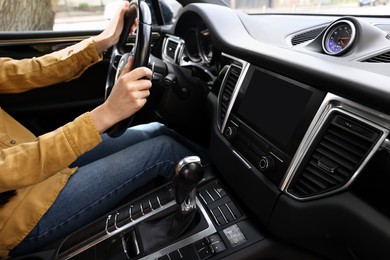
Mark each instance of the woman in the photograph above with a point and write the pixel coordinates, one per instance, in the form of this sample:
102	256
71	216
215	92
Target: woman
51	183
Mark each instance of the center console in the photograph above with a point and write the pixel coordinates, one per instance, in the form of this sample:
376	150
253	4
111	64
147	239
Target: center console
192	217
268	118
219	229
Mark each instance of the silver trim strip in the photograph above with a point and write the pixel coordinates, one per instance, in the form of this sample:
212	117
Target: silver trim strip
123	228
244	70
52	39
231	212
331	104
44	40
277	157
247	165
208	231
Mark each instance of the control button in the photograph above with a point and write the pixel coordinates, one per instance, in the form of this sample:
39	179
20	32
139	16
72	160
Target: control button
200	245
206	197
175	255
218	247
187	252
135	211
221	220
234	235
202	249
145	207
266	163
205	253
213	194
230	132
214	238
209	246
231	206
227	213
219	190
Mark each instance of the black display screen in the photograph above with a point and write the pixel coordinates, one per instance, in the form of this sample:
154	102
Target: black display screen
276	108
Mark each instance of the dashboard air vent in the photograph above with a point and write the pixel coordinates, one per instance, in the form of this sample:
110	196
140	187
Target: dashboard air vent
382	58
335	158
171	49
227	89
306	36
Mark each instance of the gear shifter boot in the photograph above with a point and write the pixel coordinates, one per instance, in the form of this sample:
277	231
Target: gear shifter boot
169	225
164	229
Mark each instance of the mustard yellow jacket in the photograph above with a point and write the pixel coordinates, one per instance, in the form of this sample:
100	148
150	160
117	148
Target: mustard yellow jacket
37	166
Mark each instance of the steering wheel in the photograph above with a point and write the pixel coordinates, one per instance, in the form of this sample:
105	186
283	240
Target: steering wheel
140	51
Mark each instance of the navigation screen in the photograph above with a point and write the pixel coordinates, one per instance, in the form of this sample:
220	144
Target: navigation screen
274	106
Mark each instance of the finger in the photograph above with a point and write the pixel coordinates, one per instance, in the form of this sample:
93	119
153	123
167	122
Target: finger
139	73
142	94
142	84
120	13
134	27
128	65
122	9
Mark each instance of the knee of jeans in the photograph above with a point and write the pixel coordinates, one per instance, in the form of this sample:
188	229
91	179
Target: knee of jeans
156	126
166	141
177	150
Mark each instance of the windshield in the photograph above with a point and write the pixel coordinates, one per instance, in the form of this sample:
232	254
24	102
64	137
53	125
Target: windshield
72	15
339	7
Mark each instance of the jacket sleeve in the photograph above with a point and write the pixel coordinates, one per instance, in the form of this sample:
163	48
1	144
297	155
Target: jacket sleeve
21	75
31	162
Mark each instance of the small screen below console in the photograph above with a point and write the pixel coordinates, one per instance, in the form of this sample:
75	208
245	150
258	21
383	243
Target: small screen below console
275	106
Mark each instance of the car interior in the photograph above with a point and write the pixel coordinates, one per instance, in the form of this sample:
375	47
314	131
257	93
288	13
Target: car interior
296	124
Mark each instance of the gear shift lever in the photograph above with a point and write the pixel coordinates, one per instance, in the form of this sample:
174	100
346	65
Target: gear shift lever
189	172
170	225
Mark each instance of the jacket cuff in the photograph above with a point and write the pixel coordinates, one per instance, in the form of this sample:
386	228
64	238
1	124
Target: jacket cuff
82	134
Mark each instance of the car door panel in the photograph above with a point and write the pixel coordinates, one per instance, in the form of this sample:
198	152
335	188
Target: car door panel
44	109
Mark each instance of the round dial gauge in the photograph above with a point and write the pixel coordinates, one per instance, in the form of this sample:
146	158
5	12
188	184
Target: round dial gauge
205	43
339	37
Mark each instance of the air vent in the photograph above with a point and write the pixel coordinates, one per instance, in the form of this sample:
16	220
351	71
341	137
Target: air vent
336	157
382	58
227	89
306	36
171	49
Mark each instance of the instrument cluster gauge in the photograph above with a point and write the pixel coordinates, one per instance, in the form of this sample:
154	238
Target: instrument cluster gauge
339	37
205	43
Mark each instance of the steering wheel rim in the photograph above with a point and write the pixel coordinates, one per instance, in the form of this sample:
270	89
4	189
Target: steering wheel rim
140	52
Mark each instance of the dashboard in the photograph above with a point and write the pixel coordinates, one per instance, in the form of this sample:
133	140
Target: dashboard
294	111
300	120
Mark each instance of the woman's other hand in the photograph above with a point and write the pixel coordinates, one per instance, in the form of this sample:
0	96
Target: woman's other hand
110	35
128	95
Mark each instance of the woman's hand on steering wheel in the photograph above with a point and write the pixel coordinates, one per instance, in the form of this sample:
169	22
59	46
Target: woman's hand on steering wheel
110	36
128	95
137	16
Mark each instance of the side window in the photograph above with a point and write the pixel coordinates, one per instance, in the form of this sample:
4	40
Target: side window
68	15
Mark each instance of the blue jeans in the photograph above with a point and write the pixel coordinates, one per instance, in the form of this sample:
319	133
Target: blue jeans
106	175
